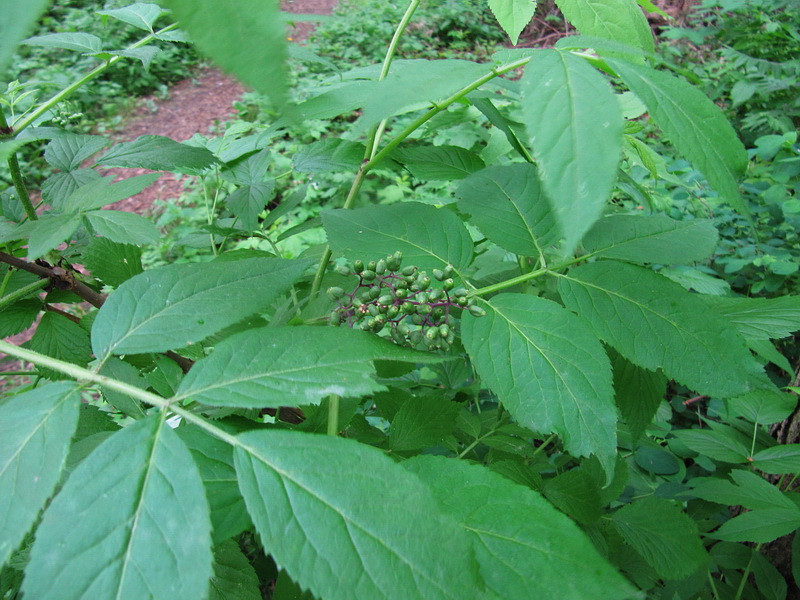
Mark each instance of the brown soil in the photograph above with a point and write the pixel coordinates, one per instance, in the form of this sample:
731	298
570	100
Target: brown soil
194	106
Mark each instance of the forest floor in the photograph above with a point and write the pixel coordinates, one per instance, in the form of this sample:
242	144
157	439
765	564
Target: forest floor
197	105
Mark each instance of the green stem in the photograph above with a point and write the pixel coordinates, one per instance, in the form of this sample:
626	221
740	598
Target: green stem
63	94
22	292
333	414
16	177
81	374
375	132
497	287
746	574
544	445
417	123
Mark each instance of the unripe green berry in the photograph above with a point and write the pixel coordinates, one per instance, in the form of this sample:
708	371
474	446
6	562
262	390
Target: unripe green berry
415	337
462	301
438	275
424	309
431	334
380	267
460	292
386	299
368	275
409	270
398	338
434	295
449	270
371	265
422	297
403	328
417	319
334	293
398	258
343	270
448	284
401	293
408	308
476	311
373	292
335	318
444	330
373	310
358	266
392	312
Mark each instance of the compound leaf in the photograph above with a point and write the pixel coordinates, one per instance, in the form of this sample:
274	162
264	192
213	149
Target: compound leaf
173	306
652	239
694	125
35	431
291	366
616	20
549	371
366	529
575	125
132	508
655	323
509	207
522	543
429	238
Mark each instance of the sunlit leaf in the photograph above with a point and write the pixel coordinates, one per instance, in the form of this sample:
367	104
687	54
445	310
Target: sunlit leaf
513	15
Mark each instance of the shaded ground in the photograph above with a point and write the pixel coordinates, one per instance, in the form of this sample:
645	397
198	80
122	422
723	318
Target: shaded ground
194	106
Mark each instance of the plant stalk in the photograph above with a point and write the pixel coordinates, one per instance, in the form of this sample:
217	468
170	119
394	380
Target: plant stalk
333	414
16	177
22	292
63	94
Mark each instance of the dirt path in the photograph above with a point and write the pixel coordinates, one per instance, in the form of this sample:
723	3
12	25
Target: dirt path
194	106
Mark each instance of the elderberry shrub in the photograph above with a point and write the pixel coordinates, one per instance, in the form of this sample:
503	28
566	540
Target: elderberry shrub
401	299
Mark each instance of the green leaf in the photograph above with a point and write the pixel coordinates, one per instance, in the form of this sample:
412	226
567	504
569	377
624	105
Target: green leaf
18	19
127	373
655	323
616	20
35	431
422	421
18	317
81	42
141	15
146	54
513	15
576	494
524	546
214	460
68	151
59	186
248	171
718	445
100	192
329	155
778	459
60	338
760	318
46	233
428	237
507	204
638	392
747	489
159	153
111	262
575	125
549	380
246	38
438	163
652	239
366	529
177	305
286	589
763	407
131	509
341	100
291	366
760	526
234	578
249	201
417	84
663	534
694	125
123	227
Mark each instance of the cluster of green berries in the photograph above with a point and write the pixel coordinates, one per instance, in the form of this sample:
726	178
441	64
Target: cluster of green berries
401	300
